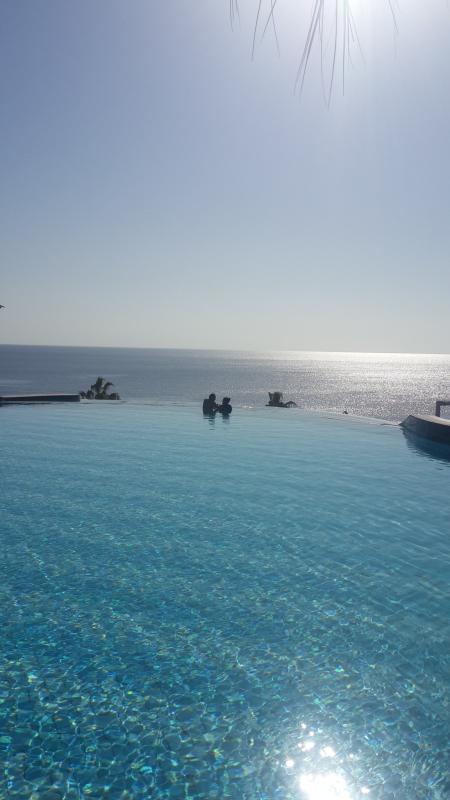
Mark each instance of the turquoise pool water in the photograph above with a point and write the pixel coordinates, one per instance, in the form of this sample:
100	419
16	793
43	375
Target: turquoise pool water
254	608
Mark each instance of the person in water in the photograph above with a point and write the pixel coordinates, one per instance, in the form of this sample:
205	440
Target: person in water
209	404
225	407
276	400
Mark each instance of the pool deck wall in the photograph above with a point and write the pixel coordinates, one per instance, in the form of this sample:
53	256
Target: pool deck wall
39	398
428	426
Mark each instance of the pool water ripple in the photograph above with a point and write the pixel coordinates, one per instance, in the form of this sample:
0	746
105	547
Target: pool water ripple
251	608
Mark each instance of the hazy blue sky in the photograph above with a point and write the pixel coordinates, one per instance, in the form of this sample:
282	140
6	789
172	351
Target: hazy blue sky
160	188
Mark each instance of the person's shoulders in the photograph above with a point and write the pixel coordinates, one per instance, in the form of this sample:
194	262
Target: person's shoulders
209	408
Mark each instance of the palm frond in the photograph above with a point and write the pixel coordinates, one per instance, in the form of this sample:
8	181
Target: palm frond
331	28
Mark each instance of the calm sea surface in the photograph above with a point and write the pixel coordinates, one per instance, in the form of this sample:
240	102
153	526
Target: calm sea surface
381	385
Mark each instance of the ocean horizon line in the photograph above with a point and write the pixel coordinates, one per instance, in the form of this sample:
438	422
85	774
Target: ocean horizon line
225	350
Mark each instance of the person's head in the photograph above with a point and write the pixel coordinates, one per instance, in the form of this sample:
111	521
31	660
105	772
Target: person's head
225	401
212	397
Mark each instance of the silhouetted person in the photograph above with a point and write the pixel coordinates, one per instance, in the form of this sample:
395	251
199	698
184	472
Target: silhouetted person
225	407
209	404
276	399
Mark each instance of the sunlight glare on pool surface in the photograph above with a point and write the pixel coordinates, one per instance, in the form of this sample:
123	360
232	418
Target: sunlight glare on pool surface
326	786
254	607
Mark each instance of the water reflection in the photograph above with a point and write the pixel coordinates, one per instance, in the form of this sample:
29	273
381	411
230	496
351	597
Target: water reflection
434	451
319	771
306	746
324	786
211	419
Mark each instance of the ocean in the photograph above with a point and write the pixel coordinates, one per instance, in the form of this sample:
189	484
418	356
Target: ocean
381	385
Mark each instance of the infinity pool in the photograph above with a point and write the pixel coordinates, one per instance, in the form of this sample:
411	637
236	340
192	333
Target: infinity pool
254	608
